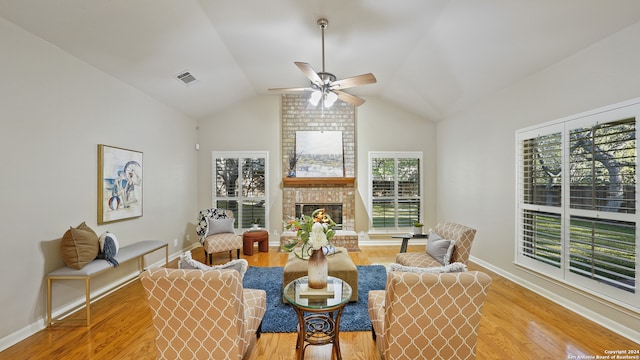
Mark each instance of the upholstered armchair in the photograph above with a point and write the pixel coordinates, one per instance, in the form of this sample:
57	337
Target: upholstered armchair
216	233
202	314
427	315
462	237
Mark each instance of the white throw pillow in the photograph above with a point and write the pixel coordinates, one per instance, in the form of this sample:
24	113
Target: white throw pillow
453	267
219	226
187	262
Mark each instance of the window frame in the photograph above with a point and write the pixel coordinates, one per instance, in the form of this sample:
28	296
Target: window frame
239	198
563	274
395	155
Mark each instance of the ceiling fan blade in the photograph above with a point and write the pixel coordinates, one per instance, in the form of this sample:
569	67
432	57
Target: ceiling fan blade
310	73
290	89
351	99
364	79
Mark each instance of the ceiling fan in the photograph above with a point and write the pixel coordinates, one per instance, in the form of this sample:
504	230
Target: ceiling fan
324	86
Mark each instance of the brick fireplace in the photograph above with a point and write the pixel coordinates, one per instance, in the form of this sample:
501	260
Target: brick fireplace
298	115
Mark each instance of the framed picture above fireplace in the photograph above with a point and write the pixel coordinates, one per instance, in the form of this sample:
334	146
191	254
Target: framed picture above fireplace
320	154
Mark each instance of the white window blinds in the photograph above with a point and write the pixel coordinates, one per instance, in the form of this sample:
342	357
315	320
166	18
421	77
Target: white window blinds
577	194
240	184
395	189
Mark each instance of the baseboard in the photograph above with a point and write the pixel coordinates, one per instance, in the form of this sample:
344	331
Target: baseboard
78	304
565	303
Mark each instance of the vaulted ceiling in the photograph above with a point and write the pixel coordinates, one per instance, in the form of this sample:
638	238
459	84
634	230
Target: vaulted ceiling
432	57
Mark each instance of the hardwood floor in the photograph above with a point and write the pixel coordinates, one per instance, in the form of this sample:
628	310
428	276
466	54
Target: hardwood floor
516	324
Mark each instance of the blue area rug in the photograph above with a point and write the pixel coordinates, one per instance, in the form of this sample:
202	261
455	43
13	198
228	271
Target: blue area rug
281	317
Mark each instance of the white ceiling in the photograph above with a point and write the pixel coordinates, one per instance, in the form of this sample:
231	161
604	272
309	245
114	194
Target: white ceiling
432	57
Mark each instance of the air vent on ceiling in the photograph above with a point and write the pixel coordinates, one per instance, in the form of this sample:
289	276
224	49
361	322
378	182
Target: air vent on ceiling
186	78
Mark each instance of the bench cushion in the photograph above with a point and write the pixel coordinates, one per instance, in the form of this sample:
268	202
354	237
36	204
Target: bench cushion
124	254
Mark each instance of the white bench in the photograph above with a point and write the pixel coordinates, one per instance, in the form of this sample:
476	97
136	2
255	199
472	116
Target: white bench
97	266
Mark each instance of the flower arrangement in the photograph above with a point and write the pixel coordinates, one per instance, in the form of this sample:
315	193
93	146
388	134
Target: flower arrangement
314	232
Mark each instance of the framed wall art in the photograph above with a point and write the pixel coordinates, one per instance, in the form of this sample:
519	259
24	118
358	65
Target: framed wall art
119	184
320	154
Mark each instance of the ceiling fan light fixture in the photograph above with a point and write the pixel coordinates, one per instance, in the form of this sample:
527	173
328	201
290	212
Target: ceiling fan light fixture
315	97
330	98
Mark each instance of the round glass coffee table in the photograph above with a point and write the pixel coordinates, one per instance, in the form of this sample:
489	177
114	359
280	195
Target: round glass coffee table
324	307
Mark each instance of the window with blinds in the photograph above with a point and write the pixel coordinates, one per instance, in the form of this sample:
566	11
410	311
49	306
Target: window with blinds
577	195
395	189
240	184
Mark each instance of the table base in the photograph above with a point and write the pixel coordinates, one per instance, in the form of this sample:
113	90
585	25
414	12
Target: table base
318	329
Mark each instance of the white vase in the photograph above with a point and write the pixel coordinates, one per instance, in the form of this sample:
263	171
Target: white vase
318	270
417	230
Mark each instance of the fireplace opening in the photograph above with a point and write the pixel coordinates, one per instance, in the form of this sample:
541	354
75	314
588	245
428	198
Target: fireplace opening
333	210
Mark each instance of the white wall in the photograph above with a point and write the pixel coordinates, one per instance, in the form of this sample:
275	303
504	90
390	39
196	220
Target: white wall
54	111
384	127
253	125
476	163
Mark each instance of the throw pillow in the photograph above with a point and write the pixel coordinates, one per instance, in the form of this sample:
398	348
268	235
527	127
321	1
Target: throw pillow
109	248
219	226
432	236
86	227
214	213
187	262
453	267
79	246
441	250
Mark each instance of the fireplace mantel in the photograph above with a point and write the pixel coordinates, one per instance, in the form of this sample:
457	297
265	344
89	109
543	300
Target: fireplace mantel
313	181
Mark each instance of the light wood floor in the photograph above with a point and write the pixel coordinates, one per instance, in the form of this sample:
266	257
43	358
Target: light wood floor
516	324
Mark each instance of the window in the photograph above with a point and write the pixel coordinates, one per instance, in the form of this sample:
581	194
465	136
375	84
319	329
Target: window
395	190
240	184
577	198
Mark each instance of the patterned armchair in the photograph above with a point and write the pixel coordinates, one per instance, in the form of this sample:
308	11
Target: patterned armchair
463	237
216	233
202	314
428	316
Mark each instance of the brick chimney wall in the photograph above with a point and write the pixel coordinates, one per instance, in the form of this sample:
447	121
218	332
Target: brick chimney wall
298	114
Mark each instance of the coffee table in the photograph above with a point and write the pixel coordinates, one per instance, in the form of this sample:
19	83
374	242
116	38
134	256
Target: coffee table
321	325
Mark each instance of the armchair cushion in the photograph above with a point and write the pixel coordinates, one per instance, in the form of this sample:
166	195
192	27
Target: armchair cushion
219	226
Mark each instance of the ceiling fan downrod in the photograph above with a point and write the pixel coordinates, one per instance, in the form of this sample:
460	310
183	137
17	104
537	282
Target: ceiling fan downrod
322	23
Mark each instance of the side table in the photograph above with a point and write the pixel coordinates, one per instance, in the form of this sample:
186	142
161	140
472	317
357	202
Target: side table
405	239
322	324
251	236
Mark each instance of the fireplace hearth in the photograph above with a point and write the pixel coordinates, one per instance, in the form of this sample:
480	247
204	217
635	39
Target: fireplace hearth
338	200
